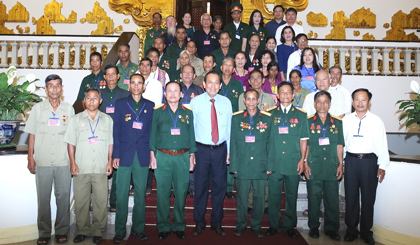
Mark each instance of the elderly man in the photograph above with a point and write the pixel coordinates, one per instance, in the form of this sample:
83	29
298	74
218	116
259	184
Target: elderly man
294	58
126	67
322	82
184	59
272	25
131	156
212	123
209	62
224	51
291	15
249	147
159	44
206	38
154	32
90	165
366	159
196	62
266	101
169	36
95	79
237	29
46	125
336	74
172	148
289	134
153	88
324	167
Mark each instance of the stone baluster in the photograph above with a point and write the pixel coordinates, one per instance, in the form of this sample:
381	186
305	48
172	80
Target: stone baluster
397	69
320	56
417	72
35	47
24	49
342	59
56	55
108	48
66	63
77	47
364	60
385	61
4	47
407	62
99	48
46	54
353	52
88	48
374	61
331	59
14	54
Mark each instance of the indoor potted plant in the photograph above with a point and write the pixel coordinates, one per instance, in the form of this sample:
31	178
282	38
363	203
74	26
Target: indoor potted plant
15	98
411	108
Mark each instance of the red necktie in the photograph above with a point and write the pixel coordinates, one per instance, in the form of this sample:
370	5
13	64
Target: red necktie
214	128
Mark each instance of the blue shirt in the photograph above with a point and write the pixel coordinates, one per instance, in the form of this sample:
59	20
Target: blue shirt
273	25
308	77
283	53
202	118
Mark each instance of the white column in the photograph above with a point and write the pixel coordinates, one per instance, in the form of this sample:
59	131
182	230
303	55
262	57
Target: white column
88	48
35	47
46	54
14	54
342	59
374	60
66	63
331	59
407	61
353	69
385	61
363	60
397	69
321	56
417	72
24	48
3	54
108	48
77	55
99	48
56	55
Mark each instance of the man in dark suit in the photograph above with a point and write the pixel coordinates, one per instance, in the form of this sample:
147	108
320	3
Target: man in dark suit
132	126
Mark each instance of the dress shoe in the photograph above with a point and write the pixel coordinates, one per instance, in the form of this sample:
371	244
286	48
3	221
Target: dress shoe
368	240
349	237
140	235
333	235
163	235
239	231
97	239
230	195
219	230
79	238
314	233
292	233
258	233
192	193
198	230
180	234
118	238
271	231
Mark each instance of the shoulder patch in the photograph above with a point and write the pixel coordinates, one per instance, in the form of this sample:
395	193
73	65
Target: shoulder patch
238	112
266	113
300	109
333	116
159	106
188	107
311	116
271	108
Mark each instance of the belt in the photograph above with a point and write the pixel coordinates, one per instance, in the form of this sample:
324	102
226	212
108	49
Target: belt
173	152
361	155
211	146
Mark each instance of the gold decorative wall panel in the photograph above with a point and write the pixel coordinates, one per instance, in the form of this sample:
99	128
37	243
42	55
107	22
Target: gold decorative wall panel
317	20
18	13
99	16
339	24
362	18
368	36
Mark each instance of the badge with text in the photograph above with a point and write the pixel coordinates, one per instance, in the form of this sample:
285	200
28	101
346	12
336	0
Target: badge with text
137	125
324	141
175	131
358	139
251	68
238	36
126	81
93	140
250	138
53	121
189	39
244	88
206	42
110	109
283	130
309	78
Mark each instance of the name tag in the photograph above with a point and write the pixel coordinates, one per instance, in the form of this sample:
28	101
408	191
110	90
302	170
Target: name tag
137	125
250	138
309	78
126	81
53	121
251	68
324	141
189	39
358	139
175	131
206	42
283	130
237	36
110	109
244	88
93	140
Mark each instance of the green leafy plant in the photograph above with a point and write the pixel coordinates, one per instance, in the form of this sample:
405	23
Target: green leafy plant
16	98
411	108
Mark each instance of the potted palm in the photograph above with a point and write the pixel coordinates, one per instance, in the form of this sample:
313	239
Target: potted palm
411	108
15	99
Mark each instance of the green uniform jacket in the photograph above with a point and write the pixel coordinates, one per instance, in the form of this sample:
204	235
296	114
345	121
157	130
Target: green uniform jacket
284	149
169	59
109	98
160	136
91	81
262	32
218	53
125	73
266	101
151	34
232	92
236	43
323	159
246	158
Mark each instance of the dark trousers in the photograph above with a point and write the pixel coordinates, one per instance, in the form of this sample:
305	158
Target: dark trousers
210	169
360	175
150	178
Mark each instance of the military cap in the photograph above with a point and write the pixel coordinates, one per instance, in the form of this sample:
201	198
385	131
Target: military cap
236	6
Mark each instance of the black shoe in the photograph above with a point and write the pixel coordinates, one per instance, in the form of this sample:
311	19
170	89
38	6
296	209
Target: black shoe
258	233
79	238
192	193
250	210
239	231
97	239
292	233
349	237
333	235
314	233
271	231
368	240
163	235
140	235
112	208
180	234
230	195
118	238
219	230
198	230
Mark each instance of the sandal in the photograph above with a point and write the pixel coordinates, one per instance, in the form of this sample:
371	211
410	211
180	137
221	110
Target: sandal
112	208
43	240
60	239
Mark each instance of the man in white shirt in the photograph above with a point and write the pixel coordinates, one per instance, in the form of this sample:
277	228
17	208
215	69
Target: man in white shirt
294	58
322	82
291	15
336	74
154	91
366	160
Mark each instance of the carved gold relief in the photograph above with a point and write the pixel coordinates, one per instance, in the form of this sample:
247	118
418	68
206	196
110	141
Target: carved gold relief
99	16
356	33
386	25
18	13
126	21
312	34
339	30
318	20
43	27
362	18
3	13
407	21
119	29
398	34
368	36
52	11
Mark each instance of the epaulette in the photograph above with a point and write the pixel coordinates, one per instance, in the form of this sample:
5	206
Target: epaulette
338	118
271	108
266	113
159	106
187	107
300	109
238	112
311	116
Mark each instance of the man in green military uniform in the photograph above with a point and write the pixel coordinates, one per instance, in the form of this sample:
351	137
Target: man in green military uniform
237	28
95	79
224	51
169	59
156	31
126	67
248	160
289	134
324	166
172	147
266	100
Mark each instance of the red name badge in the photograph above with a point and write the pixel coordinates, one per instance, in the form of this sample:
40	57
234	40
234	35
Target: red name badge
110	109
189	39
324	141
283	129
250	138
309	78
175	131
126	81
251	68
137	125
206	42
93	140
54	121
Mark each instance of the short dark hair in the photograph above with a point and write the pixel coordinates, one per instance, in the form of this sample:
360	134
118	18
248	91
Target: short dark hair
182	69
180	27
250	91
291	10
137	74
295	71
255	34
278	6
191	41
147	59
362	90
255	71
273	64
158	14
321	93
284	84
173	82
251	18
211	73
217	17
94	89
210	55
109	66
95	54
298	36
224	32
53	77
336	67
152	49
270	37
282	39
124	44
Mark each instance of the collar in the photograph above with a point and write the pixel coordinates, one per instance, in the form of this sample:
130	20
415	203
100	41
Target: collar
46	105
287	108
85	114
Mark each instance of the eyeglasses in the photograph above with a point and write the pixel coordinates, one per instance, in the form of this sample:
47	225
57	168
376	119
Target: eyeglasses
302	40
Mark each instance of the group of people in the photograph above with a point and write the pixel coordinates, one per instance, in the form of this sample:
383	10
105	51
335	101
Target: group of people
208	108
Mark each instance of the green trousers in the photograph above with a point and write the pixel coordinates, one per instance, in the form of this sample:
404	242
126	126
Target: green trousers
113	194
242	189
139	208
250	196
328	190
171	171
275	184
91	188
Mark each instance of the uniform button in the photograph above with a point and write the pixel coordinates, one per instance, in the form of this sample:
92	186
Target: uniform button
324	149
325	158
174	142
284	142
252	158
284	152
